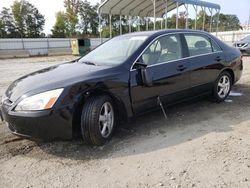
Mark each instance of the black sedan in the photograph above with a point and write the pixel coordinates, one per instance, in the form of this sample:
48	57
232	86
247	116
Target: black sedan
244	45
122	78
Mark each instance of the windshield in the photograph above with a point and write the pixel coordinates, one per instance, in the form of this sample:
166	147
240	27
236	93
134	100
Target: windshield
247	38
114	52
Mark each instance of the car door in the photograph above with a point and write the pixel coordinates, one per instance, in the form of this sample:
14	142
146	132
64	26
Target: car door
167	70
205	61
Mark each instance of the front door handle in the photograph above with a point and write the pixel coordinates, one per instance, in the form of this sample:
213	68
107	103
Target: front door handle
181	68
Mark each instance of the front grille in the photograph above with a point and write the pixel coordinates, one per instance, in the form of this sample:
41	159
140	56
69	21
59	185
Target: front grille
242	45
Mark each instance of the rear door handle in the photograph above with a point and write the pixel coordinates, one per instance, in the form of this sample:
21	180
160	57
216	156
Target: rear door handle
218	58
181	68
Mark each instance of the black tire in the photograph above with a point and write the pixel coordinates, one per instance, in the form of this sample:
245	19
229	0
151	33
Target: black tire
216	90
90	123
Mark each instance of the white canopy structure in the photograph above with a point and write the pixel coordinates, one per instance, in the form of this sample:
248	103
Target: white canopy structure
155	9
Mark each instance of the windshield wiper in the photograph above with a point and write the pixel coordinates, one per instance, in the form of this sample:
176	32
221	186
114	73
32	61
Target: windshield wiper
89	63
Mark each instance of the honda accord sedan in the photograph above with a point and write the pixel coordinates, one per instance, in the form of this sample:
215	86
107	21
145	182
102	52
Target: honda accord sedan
122	78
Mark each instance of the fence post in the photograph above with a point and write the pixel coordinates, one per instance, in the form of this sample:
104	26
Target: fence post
233	38
23	44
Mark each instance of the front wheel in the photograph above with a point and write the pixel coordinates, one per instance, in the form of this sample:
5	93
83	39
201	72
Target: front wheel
98	120
222	87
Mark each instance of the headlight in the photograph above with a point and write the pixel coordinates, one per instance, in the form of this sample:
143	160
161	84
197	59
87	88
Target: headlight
41	101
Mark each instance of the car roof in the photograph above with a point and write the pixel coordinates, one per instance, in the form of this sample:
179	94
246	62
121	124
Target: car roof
160	32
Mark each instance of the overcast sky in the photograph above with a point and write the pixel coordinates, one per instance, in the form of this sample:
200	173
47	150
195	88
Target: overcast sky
49	7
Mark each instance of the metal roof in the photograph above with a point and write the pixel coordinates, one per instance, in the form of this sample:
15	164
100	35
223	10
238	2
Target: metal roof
145	8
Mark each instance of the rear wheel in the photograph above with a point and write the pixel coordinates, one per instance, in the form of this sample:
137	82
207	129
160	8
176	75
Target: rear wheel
98	120
222	86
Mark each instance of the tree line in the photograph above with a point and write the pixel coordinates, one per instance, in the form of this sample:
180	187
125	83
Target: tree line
80	19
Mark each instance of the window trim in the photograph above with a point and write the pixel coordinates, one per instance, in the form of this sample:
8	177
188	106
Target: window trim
213	42
183	58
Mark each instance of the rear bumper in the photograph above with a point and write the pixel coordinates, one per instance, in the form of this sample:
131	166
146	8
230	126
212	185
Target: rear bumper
238	72
40	125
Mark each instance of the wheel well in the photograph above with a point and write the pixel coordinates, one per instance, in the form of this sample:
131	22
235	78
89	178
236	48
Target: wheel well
231	73
76	122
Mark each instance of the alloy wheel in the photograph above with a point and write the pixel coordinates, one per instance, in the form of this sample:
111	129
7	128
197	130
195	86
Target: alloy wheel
106	119
223	86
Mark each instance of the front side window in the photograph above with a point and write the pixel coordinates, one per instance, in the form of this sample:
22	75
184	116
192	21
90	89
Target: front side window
164	49
198	45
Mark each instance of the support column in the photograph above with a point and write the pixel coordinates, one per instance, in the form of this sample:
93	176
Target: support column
217	24
248	24
120	24
177	15
110	26
195	23
139	19
100	27
166	14
154	15
129	24
211	20
147	23
186	6
204	16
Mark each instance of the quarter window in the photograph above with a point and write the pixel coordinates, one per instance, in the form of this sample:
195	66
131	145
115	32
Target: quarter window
198	45
215	46
164	49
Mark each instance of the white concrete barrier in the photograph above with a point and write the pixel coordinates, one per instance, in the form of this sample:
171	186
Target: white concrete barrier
232	36
10	48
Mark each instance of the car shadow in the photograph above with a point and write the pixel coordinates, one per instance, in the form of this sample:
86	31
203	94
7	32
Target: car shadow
151	132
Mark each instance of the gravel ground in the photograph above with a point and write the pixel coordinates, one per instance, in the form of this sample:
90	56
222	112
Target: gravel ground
202	144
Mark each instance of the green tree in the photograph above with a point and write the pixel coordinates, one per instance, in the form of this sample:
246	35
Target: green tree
28	20
60	28
89	18
72	10
34	22
228	22
8	29
19	11
2	29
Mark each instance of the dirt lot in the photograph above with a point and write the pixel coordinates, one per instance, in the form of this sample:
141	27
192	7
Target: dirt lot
202	144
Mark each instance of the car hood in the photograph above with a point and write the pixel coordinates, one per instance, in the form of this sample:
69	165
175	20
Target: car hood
242	42
54	77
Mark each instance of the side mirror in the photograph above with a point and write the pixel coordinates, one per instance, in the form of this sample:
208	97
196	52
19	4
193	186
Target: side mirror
144	73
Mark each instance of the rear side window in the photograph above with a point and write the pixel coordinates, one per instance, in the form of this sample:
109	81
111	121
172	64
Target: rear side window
198	45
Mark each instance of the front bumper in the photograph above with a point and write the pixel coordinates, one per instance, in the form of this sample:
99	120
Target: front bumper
41	125
244	50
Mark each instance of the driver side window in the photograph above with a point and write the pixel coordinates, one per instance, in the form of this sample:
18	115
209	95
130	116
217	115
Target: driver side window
164	49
